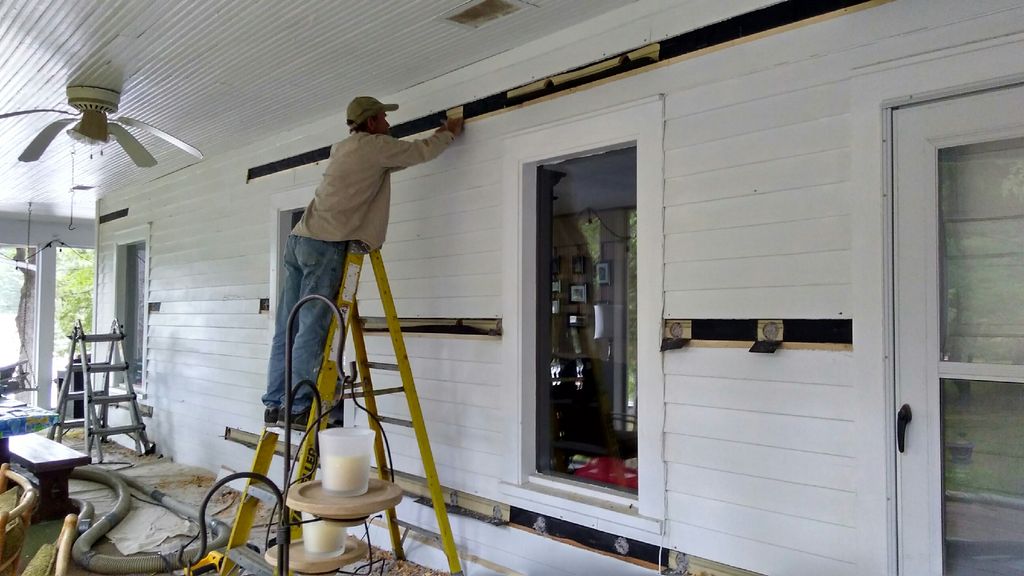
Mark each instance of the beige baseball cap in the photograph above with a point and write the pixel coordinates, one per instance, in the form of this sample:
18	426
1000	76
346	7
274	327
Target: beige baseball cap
363	107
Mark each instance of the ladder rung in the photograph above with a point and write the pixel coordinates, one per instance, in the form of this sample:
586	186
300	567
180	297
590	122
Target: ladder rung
395	421
75	423
252	561
358	392
74	396
102	337
117	430
420	529
114	399
102	367
383	366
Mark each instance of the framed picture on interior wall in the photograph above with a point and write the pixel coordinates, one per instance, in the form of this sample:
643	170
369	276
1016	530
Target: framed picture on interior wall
556	286
578	293
579	265
556	266
603	272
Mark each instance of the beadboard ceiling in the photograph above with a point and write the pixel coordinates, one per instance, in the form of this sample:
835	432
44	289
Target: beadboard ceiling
220	73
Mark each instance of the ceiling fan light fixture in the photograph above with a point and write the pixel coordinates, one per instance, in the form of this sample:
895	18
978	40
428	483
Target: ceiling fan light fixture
91	129
94	128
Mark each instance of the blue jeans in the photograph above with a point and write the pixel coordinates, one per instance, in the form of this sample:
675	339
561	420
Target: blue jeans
310	267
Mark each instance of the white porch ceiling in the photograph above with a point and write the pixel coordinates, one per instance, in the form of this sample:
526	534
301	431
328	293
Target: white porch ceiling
220	73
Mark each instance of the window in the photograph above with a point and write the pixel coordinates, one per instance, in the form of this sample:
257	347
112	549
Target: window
620	146
73	301
17	316
586	318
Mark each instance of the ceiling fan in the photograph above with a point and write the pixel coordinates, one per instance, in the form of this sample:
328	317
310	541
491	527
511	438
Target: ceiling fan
93	127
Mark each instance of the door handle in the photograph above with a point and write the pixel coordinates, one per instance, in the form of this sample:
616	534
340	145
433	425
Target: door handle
903	418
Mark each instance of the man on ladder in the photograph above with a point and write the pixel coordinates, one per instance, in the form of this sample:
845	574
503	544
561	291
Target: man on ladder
351	205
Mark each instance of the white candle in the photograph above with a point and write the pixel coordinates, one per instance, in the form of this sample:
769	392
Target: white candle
323	536
346	475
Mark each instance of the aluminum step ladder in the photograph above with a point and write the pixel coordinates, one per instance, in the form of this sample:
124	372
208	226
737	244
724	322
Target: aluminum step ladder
105	384
327	385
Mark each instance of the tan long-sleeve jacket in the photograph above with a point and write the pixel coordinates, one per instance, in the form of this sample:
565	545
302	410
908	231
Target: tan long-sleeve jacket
353	200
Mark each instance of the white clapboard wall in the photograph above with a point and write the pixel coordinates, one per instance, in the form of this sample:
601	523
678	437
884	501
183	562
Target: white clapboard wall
762	452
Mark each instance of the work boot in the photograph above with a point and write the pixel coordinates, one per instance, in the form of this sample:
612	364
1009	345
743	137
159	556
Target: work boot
299	420
271	415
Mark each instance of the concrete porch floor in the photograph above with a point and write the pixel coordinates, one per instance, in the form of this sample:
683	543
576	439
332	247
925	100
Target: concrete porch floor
184	483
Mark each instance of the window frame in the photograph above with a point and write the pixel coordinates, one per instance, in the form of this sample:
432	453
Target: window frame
641	123
282	205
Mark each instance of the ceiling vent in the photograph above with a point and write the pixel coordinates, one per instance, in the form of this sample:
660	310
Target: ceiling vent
479	13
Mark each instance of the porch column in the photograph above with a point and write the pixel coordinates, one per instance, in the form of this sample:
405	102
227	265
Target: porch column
46	295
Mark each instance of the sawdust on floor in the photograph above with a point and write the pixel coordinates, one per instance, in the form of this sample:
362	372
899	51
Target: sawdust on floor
190	484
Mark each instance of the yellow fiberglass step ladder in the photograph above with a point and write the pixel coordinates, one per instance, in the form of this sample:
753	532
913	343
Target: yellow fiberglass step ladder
98	394
236	552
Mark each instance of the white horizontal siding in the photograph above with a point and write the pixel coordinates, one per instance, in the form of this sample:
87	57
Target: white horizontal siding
760	446
443	244
460	398
207	345
757	205
762	451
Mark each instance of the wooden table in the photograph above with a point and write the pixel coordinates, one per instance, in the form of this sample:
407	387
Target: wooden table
51	463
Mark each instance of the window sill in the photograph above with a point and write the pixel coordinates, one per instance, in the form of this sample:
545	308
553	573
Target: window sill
567	500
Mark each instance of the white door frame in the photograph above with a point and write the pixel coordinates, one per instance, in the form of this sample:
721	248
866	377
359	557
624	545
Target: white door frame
919	132
279	216
874	91
122	239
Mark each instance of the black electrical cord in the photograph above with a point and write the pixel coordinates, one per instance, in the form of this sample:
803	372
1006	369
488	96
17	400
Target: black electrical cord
282	558
318	403
49	244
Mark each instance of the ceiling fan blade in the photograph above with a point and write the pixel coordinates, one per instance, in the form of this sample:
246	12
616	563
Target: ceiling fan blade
160	134
21	112
42	140
133	147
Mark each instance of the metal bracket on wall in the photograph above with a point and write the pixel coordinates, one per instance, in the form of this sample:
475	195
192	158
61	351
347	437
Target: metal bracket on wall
769	337
676	334
759	336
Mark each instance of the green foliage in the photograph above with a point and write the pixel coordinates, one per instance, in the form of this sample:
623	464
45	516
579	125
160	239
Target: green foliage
989	417
75	273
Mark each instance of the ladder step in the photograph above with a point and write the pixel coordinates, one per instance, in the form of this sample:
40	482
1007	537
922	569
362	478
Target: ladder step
102	367
99	398
102	337
419	529
251	561
395	421
356	391
117	430
383	366
75	423
113	399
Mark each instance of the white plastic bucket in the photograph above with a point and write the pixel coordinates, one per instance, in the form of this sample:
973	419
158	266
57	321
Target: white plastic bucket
345	460
323	537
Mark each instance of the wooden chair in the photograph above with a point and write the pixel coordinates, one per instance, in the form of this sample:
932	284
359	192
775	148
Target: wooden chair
55	559
15	522
29	495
